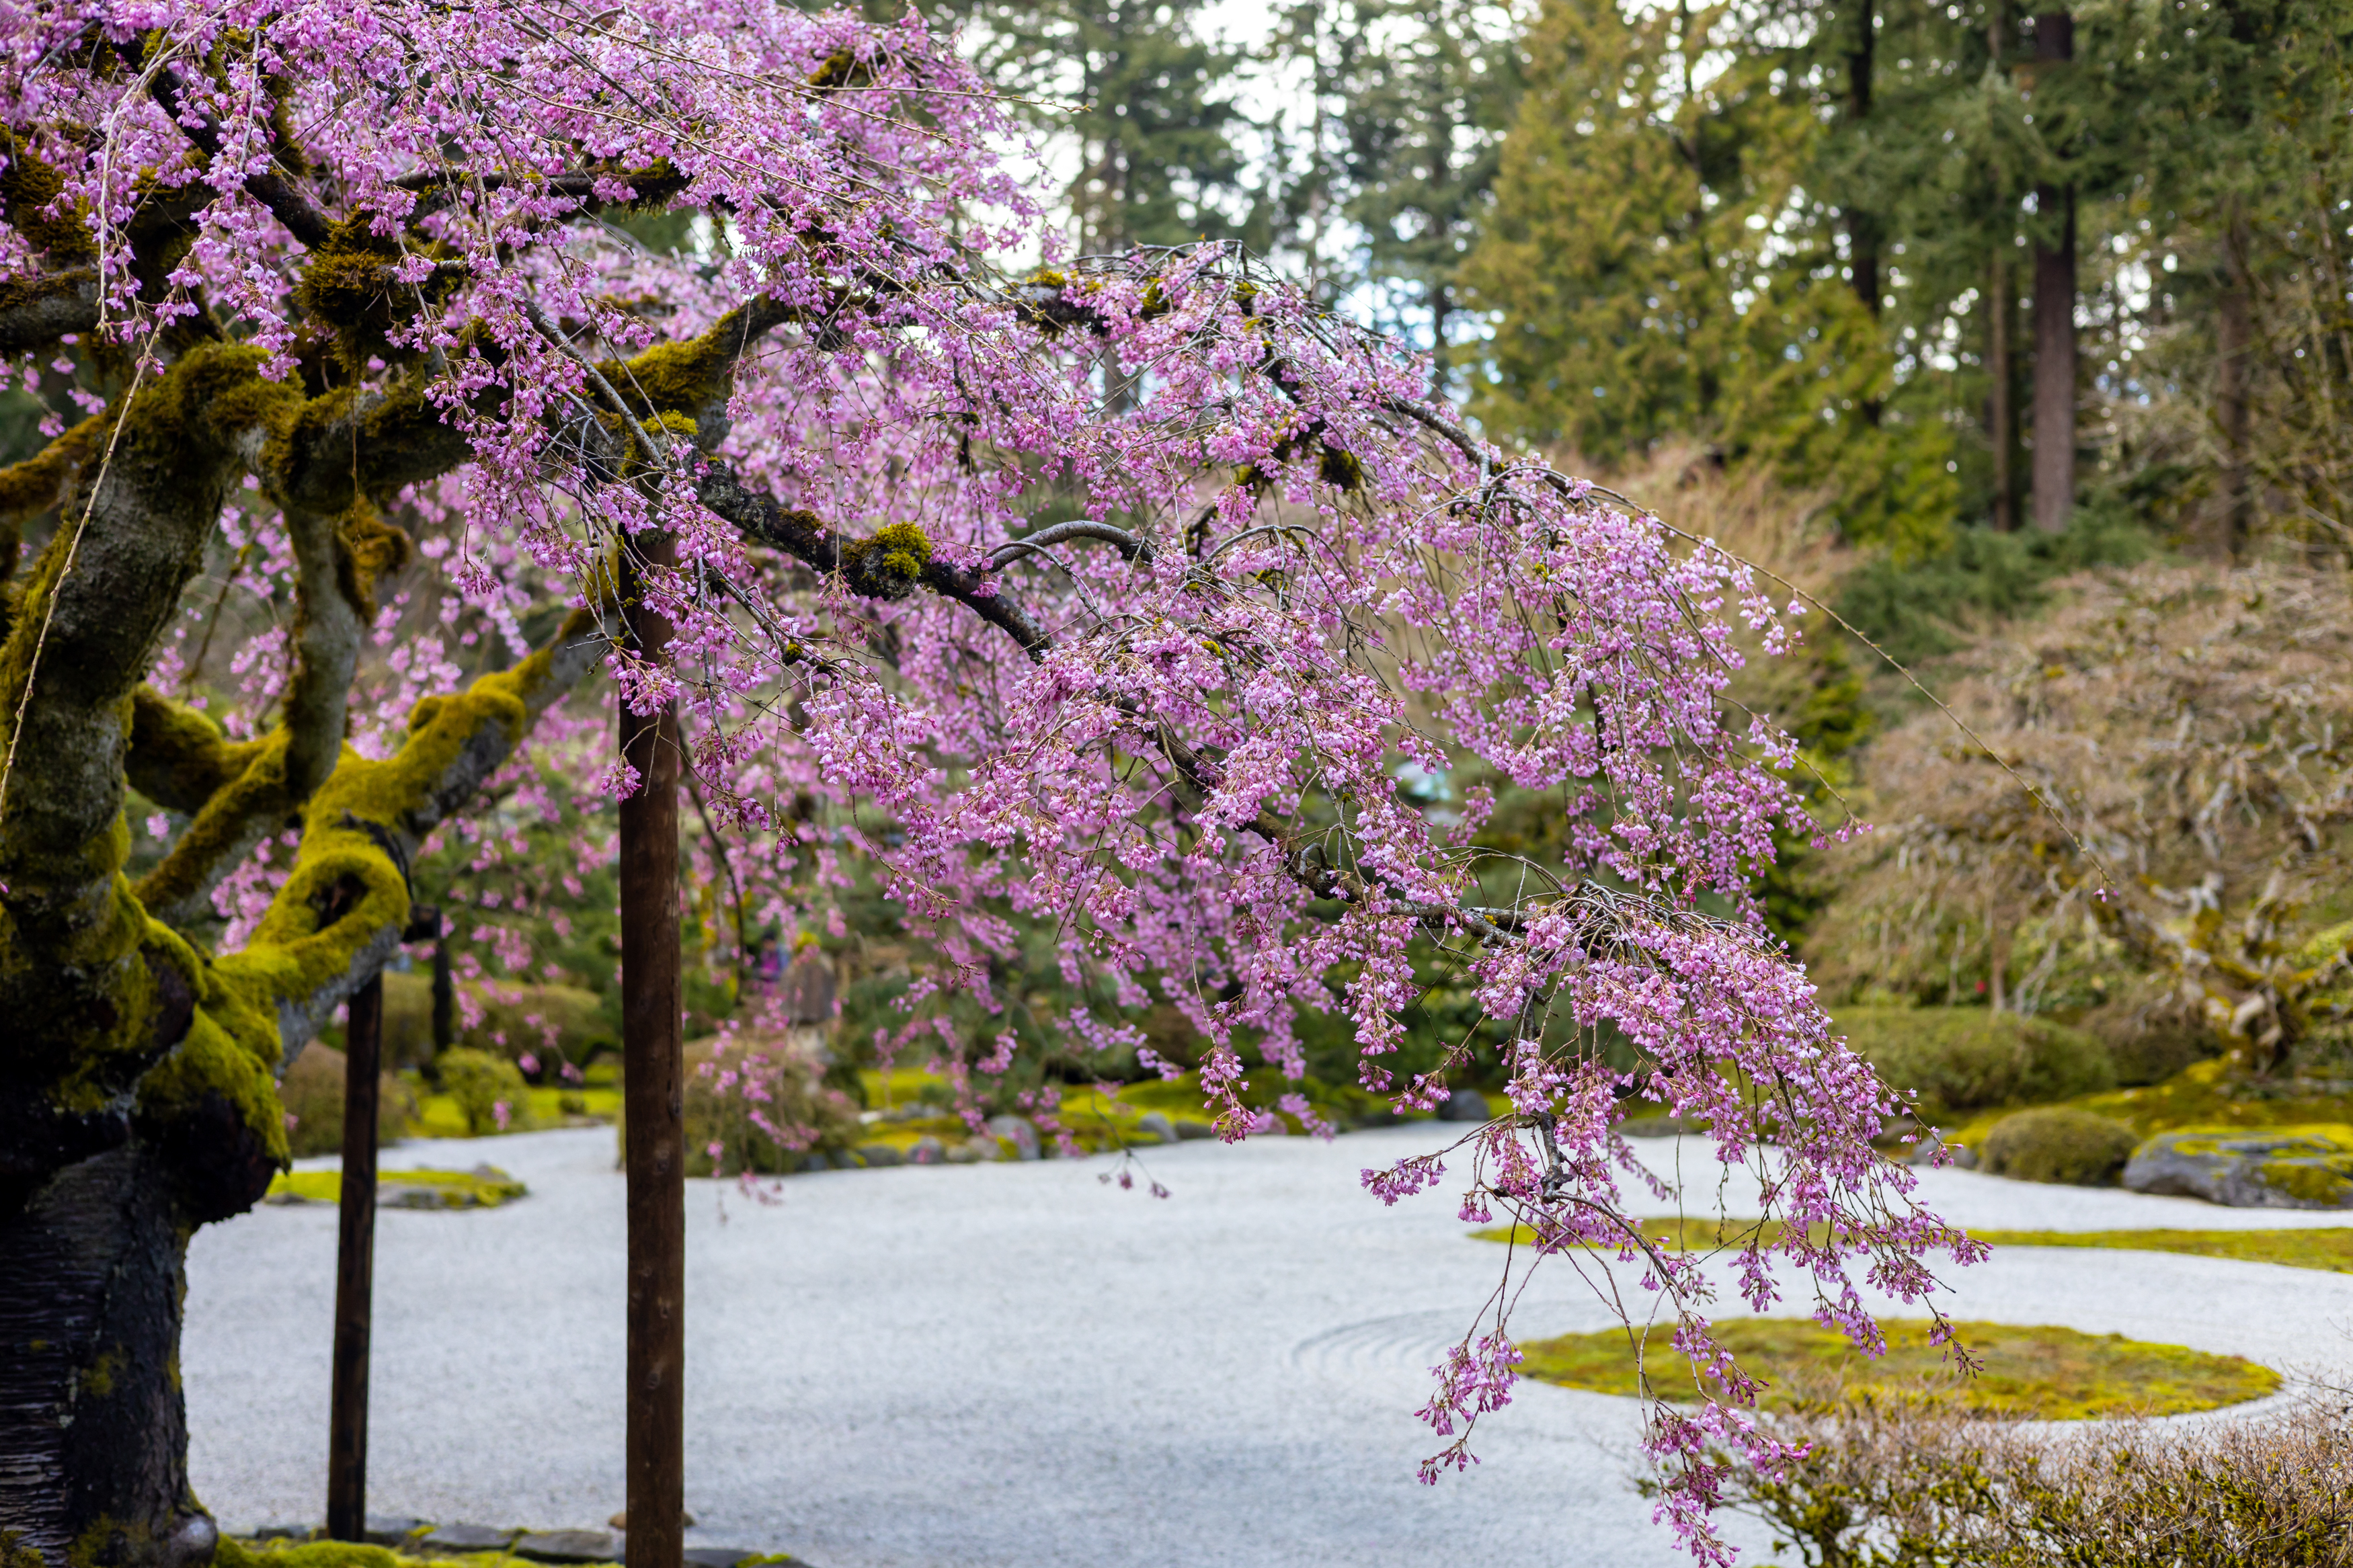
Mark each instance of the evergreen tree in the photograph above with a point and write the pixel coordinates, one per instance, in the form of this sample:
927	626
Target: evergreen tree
1136	94
1409	102
1661	266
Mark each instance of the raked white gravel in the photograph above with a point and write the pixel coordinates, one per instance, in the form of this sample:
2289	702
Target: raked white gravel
1017	1364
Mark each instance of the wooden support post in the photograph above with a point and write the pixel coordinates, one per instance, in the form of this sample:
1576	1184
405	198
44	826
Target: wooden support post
354	1269
653	1107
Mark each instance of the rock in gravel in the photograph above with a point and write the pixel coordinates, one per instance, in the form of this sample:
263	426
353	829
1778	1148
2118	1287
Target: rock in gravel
388	1529
2245	1170
878	1153
469	1538
569	1546
1924	1152
1018	1129
928	1151
1189	1129
1156	1125
286	1533
1467	1105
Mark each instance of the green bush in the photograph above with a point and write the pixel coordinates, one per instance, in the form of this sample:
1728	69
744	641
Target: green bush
312	1093
1965	1058
480	1083
579	1018
2058	1144
786	1092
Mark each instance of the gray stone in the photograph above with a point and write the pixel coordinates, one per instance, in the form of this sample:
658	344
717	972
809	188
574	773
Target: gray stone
812	1161
286	1533
569	1546
1189	1129
2245	1169
1467	1105
964	1153
1924	1152
873	1155
469	1538
389	1529
1018	1129
1156	1125
928	1151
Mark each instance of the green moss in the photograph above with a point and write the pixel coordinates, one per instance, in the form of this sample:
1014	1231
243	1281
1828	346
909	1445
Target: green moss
839	69
367	548
39	483
485	1187
888	564
2052	1373
235	1554
2329	1250
2200	1096
257	794
350	286
178	756
27	186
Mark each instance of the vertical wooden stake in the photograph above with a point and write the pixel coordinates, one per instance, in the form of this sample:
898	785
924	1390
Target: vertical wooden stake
354	1269
653	1107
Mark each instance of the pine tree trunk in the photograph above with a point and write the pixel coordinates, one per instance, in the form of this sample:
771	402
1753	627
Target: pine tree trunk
2233	343
2001	412
2054	322
93	1432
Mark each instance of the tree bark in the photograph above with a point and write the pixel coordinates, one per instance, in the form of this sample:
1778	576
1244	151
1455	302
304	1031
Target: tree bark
2001	295
2233	345
93	1431
1862	225
347	1412
653	1108
2054	320
2001	411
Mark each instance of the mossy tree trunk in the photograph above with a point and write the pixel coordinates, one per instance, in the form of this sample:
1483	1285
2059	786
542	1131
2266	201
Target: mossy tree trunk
138	1072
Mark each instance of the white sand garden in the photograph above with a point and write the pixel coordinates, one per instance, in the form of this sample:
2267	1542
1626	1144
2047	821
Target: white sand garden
991	1366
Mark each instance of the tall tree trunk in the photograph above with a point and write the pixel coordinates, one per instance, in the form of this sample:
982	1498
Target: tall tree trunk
1862	225
2001	412
2001	295
2054	320
93	1431
2233	348
653	1109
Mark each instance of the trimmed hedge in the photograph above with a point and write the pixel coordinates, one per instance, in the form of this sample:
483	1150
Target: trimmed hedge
2059	1144
1965	1058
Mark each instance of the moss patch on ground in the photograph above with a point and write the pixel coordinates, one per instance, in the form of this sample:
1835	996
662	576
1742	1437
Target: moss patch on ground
483	1188
2329	1249
2199	1096
441	1115
2049	1374
233	1552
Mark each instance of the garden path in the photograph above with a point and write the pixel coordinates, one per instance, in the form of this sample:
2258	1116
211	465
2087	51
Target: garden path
984	1366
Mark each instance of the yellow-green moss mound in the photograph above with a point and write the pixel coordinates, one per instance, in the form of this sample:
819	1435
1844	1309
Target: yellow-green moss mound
2049	1374
483	1187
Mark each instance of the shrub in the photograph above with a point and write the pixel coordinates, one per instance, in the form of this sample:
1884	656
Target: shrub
488	1090
761	1102
312	1093
2059	1144
1963	1058
506	1010
1911	1484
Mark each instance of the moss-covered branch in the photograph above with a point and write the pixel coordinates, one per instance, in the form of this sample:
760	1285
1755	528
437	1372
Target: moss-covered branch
332	925
41	481
35	313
